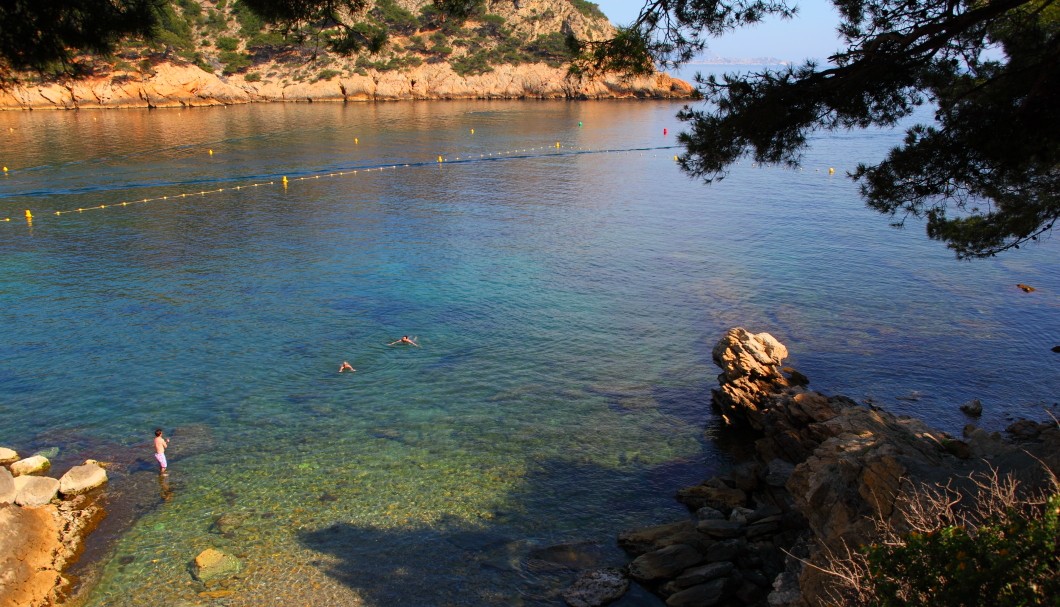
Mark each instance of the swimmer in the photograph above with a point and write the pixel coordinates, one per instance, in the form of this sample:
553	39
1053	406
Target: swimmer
346	367
405	340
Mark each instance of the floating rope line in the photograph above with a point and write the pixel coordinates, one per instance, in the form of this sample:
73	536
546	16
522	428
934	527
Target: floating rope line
555	150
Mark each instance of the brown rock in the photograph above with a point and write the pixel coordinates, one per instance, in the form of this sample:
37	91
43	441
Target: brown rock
664	563
721	498
7	456
648	539
82	479
703	595
7	487
28	538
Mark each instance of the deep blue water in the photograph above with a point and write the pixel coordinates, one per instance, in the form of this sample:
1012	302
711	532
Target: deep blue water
566	300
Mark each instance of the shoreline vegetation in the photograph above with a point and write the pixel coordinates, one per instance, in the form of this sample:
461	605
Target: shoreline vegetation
822	478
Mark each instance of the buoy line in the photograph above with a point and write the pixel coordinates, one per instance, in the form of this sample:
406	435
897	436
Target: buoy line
555	150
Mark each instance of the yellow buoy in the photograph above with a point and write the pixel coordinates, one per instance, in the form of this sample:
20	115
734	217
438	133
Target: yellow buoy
356	141
5	169
675	158
211	152
440	159
472	131
29	216
831	171
284	179
557	144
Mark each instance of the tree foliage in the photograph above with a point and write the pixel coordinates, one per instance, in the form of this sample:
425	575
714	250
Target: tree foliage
36	34
984	176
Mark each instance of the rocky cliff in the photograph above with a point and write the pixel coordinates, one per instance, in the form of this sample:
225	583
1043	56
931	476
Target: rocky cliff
218	53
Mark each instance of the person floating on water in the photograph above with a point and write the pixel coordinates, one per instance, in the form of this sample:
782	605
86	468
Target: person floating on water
346	367
405	340
160	449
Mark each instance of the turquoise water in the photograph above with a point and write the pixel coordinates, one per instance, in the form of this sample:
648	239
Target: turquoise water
566	300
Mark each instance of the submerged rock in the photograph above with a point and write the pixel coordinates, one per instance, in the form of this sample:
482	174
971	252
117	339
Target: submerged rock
595	588
212	564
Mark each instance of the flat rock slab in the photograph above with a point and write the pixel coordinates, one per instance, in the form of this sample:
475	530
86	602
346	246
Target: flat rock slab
33	491
595	588
82	479
31	465
7	456
7	487
703	595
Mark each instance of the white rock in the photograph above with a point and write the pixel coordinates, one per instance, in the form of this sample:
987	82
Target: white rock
82	479
30	465
7	456
7	487
34	491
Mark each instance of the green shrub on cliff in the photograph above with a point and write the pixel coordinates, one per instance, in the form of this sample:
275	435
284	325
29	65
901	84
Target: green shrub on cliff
1011	560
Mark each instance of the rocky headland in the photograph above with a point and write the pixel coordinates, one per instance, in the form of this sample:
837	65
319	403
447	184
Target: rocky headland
826	475
43	525
211	52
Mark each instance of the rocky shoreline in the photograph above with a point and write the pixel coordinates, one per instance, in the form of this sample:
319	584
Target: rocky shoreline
825	473
43	525
171	84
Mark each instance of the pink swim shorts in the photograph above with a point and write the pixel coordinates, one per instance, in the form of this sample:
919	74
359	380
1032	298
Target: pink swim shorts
161	457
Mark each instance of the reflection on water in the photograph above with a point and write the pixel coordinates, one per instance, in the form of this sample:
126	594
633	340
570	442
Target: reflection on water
566	305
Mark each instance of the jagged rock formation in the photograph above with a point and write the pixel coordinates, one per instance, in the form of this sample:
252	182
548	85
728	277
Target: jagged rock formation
825	472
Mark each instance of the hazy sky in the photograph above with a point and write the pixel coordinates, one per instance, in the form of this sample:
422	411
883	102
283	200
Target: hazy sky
811	34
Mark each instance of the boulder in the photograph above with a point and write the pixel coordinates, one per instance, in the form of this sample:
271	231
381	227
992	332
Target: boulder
973	407
82	479
704	574
212	564
664	563
33	491
7	456
711	495
7	487
720	529
647	539
31	465
596	587
703	595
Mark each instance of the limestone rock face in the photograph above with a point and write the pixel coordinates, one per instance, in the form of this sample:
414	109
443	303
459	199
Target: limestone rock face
182	85
7	487
596	587
33	491
7	456
82	479
27	575
30	465
212	564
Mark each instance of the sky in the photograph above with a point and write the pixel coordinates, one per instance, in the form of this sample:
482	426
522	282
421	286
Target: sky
810	35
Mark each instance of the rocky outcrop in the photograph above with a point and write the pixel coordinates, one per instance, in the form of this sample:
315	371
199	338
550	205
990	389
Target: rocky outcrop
40	536
185	85
825	472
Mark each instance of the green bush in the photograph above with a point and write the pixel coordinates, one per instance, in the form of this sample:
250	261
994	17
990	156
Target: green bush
471	64
226	43
252	77
395	17
589	9
249	22
233	62
553	49
326	75
1011	561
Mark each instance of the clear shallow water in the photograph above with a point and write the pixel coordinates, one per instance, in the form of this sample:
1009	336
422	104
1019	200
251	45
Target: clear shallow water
566	302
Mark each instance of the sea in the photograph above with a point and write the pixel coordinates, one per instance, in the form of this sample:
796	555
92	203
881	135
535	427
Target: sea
207	270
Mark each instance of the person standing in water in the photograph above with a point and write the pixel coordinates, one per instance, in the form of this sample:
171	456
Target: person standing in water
160	449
